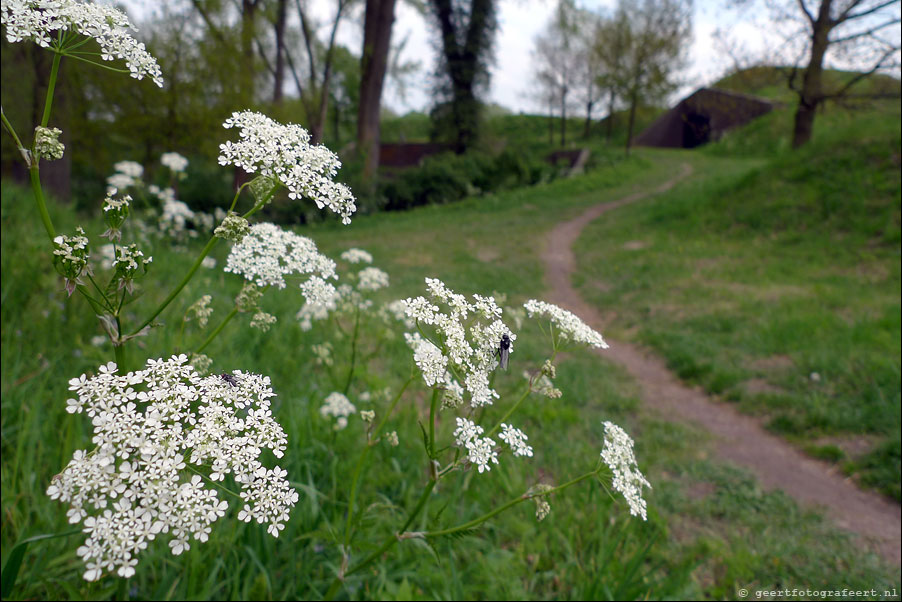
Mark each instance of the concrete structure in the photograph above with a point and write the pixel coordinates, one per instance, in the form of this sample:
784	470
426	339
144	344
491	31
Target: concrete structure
703	117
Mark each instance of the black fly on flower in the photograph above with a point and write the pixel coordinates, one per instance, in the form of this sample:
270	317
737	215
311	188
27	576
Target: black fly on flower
503	351
229	379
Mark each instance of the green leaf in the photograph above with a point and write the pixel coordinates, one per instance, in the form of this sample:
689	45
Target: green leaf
11	569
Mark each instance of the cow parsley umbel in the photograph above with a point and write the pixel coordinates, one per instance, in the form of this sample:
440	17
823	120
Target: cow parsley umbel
283	153
627	478
51	23
267	254
570	328
154	431
468	332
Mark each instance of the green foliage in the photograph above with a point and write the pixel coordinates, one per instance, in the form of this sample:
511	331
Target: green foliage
448	177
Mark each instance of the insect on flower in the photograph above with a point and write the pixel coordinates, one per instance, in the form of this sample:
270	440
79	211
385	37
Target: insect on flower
229	379
503	351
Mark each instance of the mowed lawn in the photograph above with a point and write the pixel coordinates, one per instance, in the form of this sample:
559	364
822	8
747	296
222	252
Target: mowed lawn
711	529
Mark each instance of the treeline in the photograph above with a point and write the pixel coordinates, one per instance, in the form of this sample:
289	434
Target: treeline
586	61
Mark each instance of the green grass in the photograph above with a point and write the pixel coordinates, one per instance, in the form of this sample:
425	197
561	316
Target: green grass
775	285
588	548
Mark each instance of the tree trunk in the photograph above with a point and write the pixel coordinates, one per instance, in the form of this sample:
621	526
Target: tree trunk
811	94
610	125
563	118
464	63
588	125
279	76
634	100
248	15
380	15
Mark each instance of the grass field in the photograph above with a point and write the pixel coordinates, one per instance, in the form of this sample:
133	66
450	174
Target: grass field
711	529
775	287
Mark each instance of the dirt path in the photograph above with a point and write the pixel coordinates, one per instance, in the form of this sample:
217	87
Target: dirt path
739	438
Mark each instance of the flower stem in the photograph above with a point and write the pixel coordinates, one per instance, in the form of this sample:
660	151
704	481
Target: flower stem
360	462
218	329
512	409
26	156
51	86
390	541
119	351
38	193
203	254
432	408
353	351
206	251
521	498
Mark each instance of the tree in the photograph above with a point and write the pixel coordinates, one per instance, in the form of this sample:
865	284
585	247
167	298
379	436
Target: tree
645	48
466	42
377	26
589	78
866	28
556	56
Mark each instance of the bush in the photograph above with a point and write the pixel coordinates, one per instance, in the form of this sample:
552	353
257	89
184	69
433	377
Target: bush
448	177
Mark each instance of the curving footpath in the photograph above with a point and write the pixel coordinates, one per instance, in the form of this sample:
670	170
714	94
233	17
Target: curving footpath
739	438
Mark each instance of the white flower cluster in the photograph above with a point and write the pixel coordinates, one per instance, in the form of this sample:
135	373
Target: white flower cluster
628	480
469	333
178	221
570	327
115	212
371	279
428	358
174	161
357	256
268	253
128	260
163	194
152	427
39	20
516	439
47	143
338	406
70	254
345	298
480	450
128	173
284	152
397	310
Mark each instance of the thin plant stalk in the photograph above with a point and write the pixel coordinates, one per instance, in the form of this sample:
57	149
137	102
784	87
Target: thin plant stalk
217	330
478	521
353	351
355	481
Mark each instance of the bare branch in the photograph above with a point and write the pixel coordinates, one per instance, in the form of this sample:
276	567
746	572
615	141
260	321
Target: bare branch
860	76
869	32
847	16
198	6
806	11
